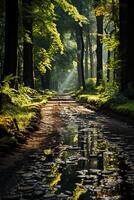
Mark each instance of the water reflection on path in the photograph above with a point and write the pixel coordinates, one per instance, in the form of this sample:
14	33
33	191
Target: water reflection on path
84	166
94	169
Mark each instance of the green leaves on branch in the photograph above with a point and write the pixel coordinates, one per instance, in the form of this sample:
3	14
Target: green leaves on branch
72	11
42	60
110	41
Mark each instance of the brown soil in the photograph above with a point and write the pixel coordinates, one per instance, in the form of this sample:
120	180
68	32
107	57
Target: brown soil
46	136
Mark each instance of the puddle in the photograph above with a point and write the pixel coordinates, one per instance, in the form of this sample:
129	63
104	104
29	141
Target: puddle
85	167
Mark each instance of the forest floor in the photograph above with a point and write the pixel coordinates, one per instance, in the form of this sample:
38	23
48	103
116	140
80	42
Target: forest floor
76	153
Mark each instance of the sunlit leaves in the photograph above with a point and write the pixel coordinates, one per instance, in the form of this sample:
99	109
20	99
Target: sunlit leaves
79	190
71	10
111	42
43	60
100	10
48	152
27	38
44	28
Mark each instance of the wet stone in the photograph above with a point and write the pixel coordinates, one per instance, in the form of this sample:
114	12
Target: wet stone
28	195
50	197
62	196
68	193
26	188
50	176
27	175
107	172
38	193
46	171
11	197
73	148
49	164
81	176
30	182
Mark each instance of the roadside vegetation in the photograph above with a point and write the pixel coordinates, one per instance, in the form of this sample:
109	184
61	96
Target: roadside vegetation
106	97
20	112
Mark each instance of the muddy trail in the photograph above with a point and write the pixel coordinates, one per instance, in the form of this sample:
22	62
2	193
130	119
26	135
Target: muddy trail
76	154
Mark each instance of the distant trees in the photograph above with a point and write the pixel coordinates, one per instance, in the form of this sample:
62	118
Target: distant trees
30	29
34	38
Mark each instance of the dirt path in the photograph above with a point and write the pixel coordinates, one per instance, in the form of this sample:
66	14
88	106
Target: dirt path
81	146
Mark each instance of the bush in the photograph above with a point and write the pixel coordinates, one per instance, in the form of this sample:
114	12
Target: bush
108	89
91	84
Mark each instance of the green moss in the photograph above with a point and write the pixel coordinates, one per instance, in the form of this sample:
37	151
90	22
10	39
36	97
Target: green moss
127	107
79	190
117	103
17	114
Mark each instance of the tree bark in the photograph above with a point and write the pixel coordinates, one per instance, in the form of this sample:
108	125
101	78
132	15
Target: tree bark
45	80
108	62
99	20
11	39
28	68
86	57
80	56
91	57
126	56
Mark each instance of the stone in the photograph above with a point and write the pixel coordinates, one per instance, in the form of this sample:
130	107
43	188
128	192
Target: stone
38	193
11	197
50	197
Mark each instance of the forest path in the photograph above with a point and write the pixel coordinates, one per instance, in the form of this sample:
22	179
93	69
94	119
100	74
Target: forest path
74	148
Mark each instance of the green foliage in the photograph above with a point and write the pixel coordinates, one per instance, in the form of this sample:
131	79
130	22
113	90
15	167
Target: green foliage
108	89
71	10
79	190
91	84
24	103
42	60
127	108
45	29
111	41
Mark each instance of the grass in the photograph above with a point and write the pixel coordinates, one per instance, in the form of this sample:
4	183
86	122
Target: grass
22	114
127	107
116	103
18	109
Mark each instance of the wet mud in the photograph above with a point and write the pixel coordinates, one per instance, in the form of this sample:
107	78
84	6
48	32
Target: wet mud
77	154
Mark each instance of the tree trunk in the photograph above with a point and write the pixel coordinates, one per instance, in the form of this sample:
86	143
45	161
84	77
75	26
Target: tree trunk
45	80
99	20
11	39
86	57
82	59
78	59
127	70
108	62
28	69
80	56
91	57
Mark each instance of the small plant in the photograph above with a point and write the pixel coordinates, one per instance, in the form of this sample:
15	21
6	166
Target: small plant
91	84
108	89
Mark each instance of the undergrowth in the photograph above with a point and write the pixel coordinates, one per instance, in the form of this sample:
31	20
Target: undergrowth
19	108
107	96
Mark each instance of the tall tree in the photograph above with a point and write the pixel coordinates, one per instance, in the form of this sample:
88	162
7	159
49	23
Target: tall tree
127	69
11	39
86	55
28	69
91	56
2	26
80	56
99	11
